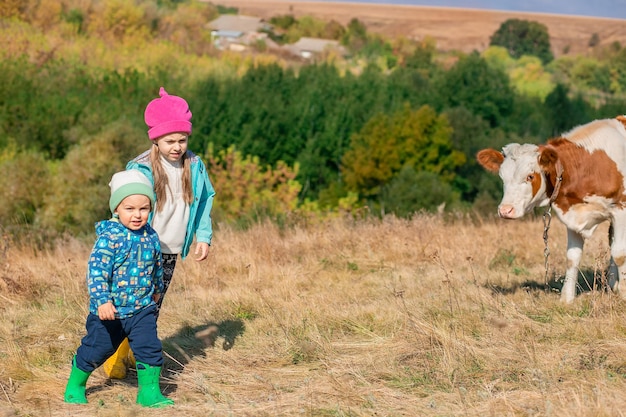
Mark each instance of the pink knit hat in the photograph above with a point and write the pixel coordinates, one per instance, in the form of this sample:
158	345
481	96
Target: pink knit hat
167	114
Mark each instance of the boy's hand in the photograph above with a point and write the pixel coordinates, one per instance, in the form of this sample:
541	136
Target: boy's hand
202	248
156	297
107	311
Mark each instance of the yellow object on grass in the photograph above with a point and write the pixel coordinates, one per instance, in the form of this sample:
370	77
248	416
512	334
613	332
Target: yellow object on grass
115	367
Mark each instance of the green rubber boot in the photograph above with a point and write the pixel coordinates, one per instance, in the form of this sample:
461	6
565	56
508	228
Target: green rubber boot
75	389
149	394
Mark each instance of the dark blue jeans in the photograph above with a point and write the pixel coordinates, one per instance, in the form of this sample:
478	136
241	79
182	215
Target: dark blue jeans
104	337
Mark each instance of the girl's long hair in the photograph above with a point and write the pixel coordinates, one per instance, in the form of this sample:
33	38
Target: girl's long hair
161	180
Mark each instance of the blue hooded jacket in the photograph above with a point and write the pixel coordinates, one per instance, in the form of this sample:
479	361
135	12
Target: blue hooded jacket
125	267
200	223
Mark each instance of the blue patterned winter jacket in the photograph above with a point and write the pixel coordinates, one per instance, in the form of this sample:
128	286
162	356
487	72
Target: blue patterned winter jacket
125	267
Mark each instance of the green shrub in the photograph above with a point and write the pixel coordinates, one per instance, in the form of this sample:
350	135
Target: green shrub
79	191
411	191
24	178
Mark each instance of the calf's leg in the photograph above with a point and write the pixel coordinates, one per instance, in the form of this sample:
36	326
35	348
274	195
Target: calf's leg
575	243
613	273
618	253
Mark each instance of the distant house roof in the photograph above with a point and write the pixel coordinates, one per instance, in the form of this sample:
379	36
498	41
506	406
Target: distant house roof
315	44
237	23
307	47
228	33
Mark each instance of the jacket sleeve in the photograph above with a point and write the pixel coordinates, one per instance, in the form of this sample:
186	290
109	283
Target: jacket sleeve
204	225
100	271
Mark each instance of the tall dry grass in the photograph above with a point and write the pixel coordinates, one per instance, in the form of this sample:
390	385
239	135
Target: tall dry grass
428	317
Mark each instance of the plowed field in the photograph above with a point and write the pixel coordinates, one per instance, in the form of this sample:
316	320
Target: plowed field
453	28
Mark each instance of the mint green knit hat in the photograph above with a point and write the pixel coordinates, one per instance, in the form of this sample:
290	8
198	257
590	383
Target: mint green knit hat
127	183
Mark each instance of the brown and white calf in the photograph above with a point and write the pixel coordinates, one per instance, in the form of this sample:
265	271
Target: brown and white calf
586	167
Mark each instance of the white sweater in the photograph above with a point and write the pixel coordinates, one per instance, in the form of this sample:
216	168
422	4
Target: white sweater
170	221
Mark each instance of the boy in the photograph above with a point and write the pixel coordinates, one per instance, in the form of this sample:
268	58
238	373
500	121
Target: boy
124	280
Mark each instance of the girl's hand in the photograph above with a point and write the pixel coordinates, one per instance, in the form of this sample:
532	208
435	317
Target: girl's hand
107	311
156	297
202	248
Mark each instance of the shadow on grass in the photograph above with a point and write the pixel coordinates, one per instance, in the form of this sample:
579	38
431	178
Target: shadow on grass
588	280
179	350
189	342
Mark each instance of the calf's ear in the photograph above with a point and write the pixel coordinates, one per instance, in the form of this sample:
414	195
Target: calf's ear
547	158
490	159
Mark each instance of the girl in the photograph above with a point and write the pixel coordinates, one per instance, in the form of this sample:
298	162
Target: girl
184	195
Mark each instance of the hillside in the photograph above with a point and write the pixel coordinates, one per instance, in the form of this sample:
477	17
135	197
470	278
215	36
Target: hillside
460	29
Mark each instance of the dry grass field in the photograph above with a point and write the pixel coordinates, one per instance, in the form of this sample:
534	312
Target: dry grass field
427	317
453	28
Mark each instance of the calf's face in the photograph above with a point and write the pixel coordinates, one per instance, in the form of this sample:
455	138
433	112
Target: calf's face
522	178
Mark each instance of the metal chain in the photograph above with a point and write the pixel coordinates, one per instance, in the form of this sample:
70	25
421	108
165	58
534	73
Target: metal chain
547	218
